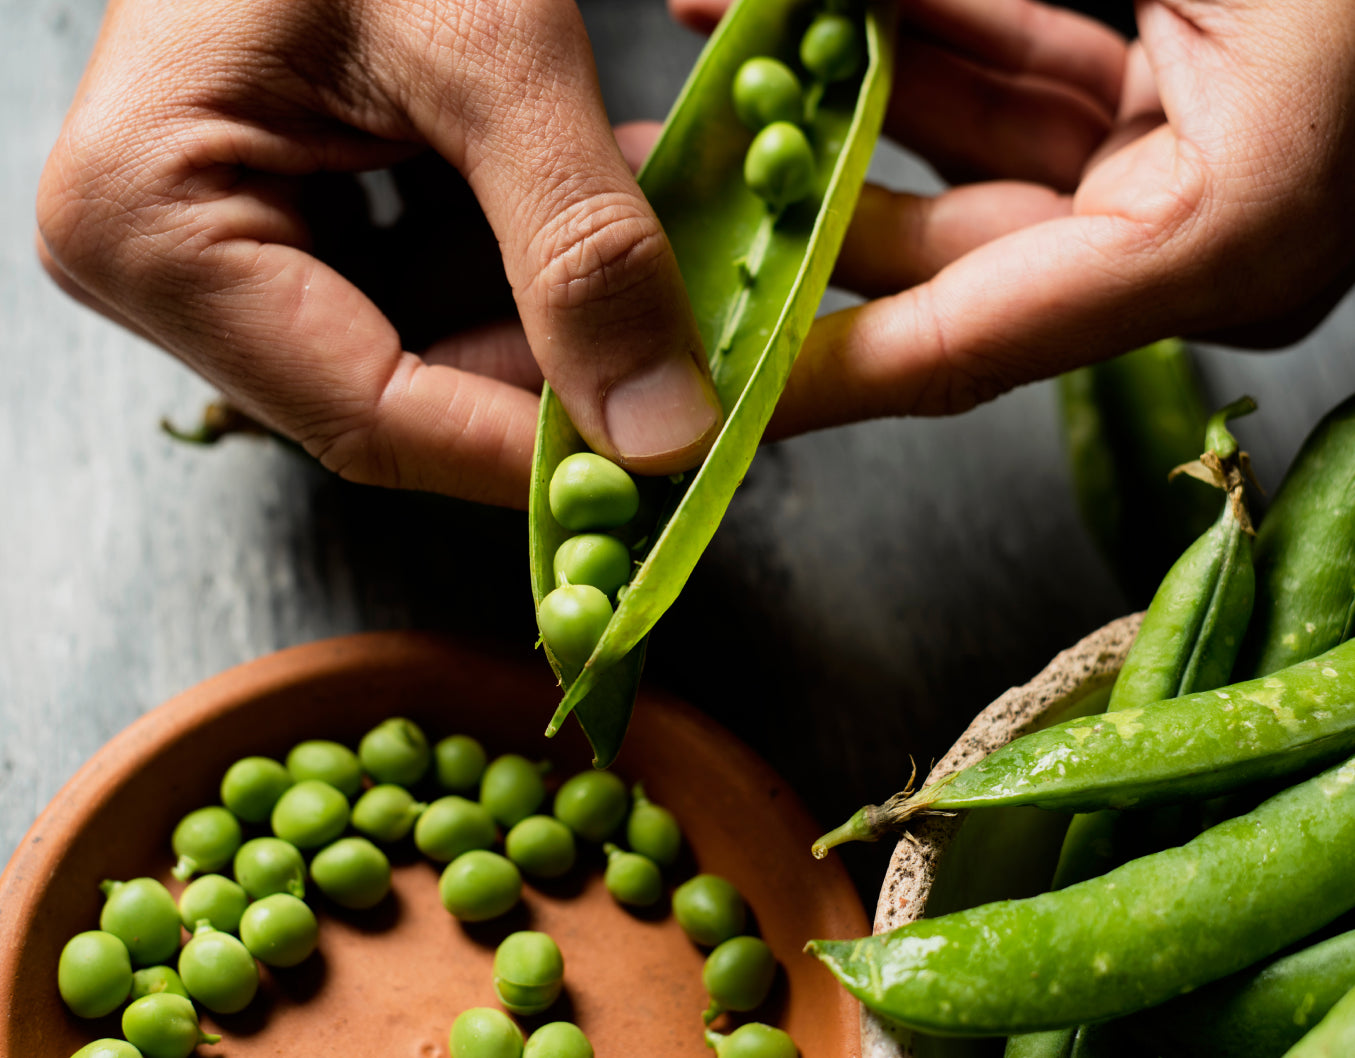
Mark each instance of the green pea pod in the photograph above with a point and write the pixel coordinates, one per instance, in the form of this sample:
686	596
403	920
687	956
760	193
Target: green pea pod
755	279
1305	552
1258	1013
1127	422
1152	929
1333	1036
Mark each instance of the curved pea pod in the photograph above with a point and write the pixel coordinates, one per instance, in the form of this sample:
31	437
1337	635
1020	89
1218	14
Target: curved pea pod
755	278
1150	930
1259	1012
1333	1036
1126	423
1305	552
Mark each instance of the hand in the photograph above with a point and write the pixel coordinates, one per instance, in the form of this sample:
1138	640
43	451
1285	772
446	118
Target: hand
1197	182
201	194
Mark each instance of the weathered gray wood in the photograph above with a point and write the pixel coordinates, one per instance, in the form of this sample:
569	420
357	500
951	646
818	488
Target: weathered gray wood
872	588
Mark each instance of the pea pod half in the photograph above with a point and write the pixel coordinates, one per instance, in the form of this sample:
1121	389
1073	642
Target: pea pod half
755	278
1147	931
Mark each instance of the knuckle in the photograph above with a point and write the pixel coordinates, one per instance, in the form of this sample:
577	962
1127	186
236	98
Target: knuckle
598	250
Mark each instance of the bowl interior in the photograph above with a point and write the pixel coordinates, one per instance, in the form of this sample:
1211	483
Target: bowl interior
391	980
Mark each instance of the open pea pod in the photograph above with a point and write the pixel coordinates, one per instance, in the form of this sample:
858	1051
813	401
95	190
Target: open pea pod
755	278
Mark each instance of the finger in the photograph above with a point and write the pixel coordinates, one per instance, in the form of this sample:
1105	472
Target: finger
636	139
596	284
897	239
496	350
973	123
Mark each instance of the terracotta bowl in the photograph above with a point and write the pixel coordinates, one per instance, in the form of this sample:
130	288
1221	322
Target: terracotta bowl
389	982
1005	853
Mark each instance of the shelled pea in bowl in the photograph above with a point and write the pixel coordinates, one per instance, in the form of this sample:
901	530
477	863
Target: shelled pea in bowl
1148	849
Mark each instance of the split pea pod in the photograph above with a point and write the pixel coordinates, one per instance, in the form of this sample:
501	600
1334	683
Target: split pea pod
1305	552
1333	1036
1152	929
755	273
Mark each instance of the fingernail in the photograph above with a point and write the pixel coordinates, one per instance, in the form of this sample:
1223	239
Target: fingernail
665	408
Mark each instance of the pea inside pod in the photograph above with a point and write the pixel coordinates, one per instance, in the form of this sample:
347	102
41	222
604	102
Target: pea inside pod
755	283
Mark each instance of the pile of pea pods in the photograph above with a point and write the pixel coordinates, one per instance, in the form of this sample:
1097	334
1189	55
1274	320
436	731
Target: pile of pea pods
321	818
1202	902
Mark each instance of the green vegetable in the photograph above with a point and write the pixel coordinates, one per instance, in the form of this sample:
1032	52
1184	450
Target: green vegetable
395	751
529	972
142	914
755	281
1305	552
588	491
152	979
541	846
1333	1036
1139	935
592	804
270	865
252	786
108	1048
832	49
353	873
480	885
218	971
652	830
709	909
452	825
279	930
164	1026
558	1039
215	899
459	761
779	165
595	559
204	841
572	619
483	1032
386	812
753	1040
631	878
310	814
738	975
94	974
766	90
512	788
328	761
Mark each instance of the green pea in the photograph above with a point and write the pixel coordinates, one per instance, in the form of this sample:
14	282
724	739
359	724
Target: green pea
709	909
652	830
164	1026
588	492
353	873
767	90
141	913
753	1040
779	165
94	973
386	812
738	975
153	979
592	804
529	972
593	558
395	751
108	1048
480	885
459	761
270	865
572	619
452	825
310	814
218	971
558	1039
541	846
832	49
483	1032
279	930
204	841
252	786
631	878
215	899
330	762
512	788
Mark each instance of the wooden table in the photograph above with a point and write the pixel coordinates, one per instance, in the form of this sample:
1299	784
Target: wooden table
871	588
